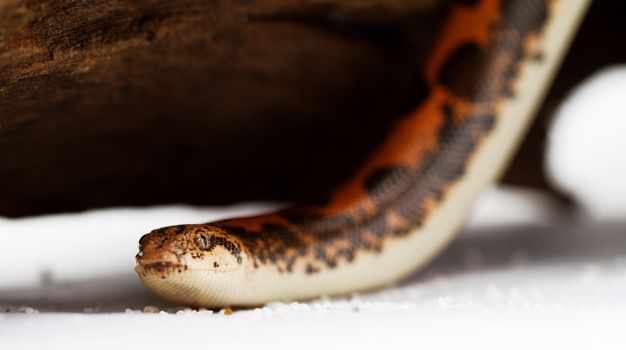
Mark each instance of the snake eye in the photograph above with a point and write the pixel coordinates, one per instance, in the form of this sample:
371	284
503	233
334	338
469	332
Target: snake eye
203	242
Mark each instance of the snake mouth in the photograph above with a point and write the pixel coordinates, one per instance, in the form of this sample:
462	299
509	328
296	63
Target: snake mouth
161	267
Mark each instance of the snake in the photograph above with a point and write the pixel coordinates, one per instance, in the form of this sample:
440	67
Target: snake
482	81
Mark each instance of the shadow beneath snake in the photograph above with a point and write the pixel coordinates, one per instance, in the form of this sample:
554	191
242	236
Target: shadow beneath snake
475	251
501	248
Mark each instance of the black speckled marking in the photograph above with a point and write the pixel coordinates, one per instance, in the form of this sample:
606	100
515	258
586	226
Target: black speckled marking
381	184
464	73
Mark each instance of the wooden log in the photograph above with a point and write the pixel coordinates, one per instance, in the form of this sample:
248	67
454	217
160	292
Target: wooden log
120	102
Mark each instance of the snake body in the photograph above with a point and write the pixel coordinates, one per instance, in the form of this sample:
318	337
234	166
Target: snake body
481	85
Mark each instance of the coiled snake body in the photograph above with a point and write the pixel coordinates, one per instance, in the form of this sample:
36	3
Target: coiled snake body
482	82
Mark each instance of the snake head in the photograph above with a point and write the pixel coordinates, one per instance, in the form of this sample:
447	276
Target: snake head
185	259
175	249
190	262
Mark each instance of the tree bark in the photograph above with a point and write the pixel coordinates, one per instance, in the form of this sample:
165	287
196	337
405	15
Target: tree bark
119	102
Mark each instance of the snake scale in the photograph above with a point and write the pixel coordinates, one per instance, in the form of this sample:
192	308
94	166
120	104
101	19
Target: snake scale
482	82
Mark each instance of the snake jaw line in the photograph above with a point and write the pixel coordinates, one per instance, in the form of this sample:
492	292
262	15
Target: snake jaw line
159	269
178	283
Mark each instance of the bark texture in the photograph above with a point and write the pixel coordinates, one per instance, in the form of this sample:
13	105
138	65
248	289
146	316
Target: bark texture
120	102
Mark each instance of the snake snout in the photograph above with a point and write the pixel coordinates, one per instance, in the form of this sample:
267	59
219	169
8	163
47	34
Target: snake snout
160	252
159	258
